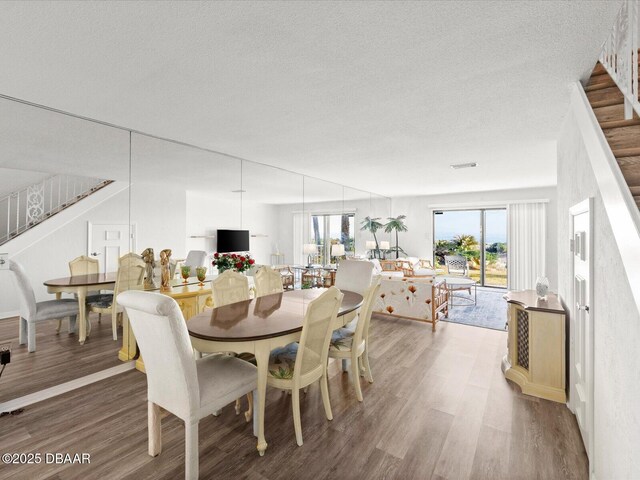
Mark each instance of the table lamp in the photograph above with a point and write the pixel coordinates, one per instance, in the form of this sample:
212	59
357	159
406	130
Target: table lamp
309	249
371	246
337	250
385	246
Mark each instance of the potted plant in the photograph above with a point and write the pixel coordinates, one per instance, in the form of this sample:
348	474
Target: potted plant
396	224
232	261
372	225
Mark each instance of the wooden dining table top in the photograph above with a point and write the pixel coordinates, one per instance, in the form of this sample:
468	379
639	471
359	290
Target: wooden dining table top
108	278
263	317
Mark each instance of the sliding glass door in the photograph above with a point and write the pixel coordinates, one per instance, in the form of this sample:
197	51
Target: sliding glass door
480	236
327	230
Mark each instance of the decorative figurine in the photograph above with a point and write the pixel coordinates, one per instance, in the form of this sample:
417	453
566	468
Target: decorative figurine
150	263
165	269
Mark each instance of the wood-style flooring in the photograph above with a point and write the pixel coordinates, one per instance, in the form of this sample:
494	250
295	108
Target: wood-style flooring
439	408
58	358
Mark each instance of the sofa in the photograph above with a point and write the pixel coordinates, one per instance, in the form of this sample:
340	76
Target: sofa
417	298
404	267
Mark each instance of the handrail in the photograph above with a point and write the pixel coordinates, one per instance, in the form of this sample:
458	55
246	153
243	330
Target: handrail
27	207
619	55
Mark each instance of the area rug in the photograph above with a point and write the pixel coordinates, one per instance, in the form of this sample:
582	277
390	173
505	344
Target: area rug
490	310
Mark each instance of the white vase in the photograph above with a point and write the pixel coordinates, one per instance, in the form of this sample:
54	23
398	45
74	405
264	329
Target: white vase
542	287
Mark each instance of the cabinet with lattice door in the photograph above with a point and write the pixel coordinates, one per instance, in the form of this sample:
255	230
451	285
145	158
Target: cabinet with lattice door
535	358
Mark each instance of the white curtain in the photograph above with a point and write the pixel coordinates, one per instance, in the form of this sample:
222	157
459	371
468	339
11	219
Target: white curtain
526	244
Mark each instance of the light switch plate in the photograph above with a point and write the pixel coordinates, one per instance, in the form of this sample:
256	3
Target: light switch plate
4	261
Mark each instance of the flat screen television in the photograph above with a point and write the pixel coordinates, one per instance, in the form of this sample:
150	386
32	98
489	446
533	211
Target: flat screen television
233	241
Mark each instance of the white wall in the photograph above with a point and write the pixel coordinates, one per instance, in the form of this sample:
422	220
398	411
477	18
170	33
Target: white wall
615	316
207	213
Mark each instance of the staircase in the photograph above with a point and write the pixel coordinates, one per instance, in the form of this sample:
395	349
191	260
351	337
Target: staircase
23	209
623	136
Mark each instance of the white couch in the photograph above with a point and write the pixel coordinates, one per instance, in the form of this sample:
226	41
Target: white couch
423	299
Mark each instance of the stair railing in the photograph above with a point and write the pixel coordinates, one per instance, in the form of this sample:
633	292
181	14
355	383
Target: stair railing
27	207
619	55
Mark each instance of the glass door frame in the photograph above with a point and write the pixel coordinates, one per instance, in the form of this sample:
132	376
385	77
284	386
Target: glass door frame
482	243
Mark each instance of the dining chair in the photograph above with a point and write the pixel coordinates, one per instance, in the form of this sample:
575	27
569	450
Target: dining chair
196	258
229	287
287	276
298	365
32	312
84	265
232	287
354	275
130	276
352	342
268	281
190	389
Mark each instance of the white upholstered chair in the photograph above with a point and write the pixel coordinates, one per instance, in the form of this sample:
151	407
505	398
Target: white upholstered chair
352	342
190	389
268	281
354	275
298	365
130	276
195	258
229	287
32	311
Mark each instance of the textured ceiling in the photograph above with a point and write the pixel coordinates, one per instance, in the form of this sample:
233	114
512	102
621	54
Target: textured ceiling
380	96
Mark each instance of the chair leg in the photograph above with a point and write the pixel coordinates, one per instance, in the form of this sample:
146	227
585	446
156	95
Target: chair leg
345	367
324	387
355	376
297	424
73	320
114	323
191	450
367	367
22	336
155	429
99	317
249	413
238	407
59	326
31	337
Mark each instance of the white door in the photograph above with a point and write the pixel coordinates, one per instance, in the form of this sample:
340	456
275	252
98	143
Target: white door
108	243
582	323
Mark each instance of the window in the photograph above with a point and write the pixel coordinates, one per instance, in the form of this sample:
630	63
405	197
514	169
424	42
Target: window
327	230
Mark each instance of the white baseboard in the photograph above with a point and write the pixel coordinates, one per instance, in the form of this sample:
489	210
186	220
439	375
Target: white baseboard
47	393
9	314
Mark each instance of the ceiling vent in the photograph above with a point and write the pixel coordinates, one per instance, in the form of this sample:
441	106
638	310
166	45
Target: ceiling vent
457	166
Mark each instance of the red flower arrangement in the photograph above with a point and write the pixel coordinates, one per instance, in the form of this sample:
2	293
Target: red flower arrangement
232	261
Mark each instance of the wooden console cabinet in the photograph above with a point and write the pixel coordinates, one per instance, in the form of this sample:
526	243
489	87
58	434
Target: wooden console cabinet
535	357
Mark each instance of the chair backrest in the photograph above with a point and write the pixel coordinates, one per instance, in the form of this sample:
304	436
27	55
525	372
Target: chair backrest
388	265
196	258
84	265
354	275
456	264
131	268
27	296
268	281
364	317
163	338
229	287
313	348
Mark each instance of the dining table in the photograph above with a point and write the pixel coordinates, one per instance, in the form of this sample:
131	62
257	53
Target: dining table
80	285
258	326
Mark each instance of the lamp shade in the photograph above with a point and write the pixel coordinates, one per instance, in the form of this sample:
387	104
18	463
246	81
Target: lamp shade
337	250
385	245
371	244
309	248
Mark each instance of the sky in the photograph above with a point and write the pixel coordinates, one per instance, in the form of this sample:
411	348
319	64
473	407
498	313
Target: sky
461	222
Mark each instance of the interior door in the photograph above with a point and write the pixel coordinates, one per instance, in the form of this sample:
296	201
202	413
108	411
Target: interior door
108	243
582	324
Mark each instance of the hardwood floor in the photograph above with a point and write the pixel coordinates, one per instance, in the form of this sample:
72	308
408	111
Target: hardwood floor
439	408
58	358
